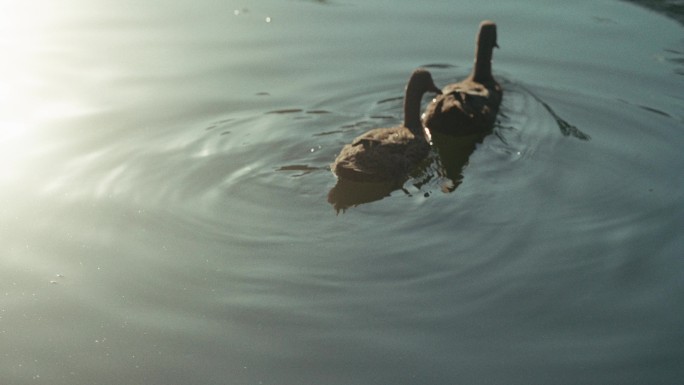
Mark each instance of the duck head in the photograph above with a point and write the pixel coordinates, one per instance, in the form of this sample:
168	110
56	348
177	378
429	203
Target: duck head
486	38
421	82
486	42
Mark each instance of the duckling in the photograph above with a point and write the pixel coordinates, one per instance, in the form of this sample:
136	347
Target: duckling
389	154
469	106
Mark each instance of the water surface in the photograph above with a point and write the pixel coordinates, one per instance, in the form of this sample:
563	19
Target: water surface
165	183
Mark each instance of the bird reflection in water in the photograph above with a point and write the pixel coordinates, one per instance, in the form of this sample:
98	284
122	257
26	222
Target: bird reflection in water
379	161
347	193
453	155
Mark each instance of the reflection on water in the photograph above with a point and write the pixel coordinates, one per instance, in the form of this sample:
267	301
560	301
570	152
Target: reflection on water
454	152
451	154
346	194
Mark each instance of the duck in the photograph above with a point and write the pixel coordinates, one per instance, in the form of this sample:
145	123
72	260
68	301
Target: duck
469	106
390	154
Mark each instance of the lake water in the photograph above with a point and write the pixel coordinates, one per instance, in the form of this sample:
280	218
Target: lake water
165	187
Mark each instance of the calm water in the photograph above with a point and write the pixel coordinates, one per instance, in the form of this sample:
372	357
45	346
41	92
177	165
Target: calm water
164	213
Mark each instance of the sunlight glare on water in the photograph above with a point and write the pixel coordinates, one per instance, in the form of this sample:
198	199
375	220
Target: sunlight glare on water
165	190
30	101
19	31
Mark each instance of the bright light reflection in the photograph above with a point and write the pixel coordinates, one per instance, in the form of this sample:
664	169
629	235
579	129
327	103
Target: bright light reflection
26	28
17	36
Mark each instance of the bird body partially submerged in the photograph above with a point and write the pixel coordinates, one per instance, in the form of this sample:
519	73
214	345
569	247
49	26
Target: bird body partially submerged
469	106
389	154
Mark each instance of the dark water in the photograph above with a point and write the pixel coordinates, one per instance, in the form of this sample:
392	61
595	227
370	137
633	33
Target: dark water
164	212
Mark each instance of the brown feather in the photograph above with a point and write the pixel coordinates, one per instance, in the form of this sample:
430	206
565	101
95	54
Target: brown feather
389	154
469	106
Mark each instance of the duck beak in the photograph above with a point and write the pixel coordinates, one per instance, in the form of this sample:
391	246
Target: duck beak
436	90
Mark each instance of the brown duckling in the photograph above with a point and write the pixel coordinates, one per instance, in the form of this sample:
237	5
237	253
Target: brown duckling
389	154
469	106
